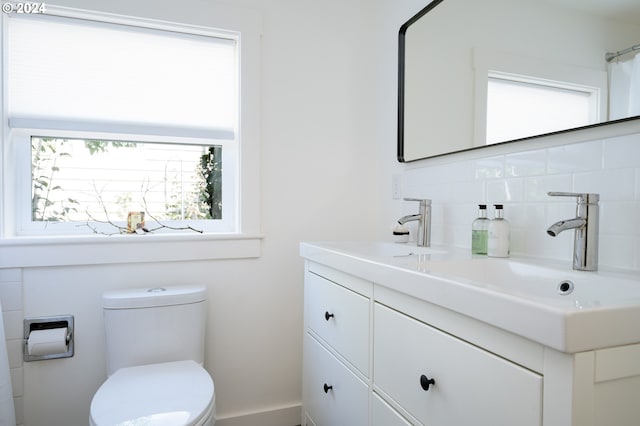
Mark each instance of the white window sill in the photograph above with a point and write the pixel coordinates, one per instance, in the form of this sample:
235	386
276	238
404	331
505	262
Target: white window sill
103	249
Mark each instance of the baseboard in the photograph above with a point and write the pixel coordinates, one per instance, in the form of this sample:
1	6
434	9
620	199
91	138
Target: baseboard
282	416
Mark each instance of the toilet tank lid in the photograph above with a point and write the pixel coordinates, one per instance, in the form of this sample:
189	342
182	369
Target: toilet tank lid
153	296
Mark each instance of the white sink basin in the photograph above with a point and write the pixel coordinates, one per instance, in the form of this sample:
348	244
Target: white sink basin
546	302
552	285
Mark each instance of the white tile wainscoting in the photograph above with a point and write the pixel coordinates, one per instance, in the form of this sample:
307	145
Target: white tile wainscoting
12	312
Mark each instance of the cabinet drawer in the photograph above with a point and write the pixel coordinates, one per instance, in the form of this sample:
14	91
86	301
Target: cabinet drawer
341	318
333	395
308	421
472	386
385	415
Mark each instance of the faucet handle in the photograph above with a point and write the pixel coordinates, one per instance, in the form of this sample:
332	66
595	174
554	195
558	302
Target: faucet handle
426	201
583	197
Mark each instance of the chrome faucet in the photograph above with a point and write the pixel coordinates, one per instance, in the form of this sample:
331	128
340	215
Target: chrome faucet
585	243
424	221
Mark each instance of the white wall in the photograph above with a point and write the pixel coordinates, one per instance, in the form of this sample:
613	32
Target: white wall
317	168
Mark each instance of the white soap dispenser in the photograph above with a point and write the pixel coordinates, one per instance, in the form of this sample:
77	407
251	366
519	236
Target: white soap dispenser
498	235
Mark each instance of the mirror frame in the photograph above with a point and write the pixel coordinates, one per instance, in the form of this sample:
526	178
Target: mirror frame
401	97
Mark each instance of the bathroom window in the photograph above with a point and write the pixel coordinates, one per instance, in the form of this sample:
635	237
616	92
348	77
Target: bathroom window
100	183
109	115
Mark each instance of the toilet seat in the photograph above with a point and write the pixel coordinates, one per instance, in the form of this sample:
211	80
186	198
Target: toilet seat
170	393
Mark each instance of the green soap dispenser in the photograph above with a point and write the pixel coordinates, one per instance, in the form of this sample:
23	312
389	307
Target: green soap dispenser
479	231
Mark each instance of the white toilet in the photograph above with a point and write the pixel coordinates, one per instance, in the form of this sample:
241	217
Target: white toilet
155	351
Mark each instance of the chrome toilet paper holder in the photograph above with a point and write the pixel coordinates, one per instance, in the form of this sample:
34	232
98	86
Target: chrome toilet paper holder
48	323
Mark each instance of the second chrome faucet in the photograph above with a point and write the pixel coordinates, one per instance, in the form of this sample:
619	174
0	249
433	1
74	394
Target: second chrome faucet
585	243
424	221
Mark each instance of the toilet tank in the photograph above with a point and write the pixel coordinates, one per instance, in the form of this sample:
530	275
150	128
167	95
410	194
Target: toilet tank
153	325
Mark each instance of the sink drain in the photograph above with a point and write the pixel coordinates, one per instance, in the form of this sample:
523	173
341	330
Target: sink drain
565	287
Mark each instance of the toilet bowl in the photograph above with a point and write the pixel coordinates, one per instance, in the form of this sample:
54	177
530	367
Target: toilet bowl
173	393
155	351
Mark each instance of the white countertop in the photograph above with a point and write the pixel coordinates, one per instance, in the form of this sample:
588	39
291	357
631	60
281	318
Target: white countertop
519	295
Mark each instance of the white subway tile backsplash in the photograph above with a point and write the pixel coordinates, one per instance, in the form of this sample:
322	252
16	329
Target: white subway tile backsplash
525	242
611	184
620	218
460	235
437	212
415	176
487	168
575	157
437	236
560	248
616	251
537	188
525	215
559	211
459	214
461	192
521	181
504	191
622	152
530	163
456	172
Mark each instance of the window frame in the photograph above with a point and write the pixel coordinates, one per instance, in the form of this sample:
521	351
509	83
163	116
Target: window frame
20	195
243	242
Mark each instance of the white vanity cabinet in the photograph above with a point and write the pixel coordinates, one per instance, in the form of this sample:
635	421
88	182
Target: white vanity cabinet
375	354
336	349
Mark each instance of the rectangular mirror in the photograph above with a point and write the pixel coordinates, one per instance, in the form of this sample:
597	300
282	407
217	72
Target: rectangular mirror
496	71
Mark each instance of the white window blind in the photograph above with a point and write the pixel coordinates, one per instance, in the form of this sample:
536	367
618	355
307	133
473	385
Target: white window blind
84	75
517	108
